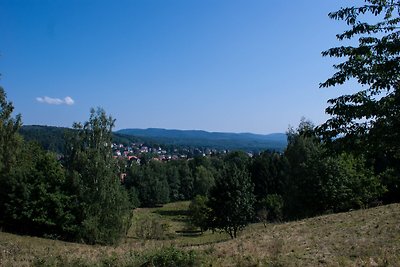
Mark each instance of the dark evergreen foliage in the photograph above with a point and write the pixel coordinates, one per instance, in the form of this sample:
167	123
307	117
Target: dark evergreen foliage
268	173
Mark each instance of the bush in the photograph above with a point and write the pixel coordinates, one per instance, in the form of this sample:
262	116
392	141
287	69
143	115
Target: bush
271	208
199	213
151	228
172	257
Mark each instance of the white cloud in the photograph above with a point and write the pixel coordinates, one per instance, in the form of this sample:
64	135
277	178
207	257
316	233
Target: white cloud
56	101
69	101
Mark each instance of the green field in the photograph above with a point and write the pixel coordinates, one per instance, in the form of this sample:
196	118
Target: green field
369	237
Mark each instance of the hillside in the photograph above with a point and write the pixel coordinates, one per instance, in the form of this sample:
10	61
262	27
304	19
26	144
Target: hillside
369	237
53	138
217	140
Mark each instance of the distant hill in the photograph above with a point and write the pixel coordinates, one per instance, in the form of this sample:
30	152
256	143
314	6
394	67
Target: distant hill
218	140
53	138
49	137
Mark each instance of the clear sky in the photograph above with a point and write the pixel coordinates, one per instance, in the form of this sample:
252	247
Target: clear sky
231	66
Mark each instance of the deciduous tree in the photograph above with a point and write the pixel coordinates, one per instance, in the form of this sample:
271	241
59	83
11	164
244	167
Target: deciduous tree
103	209
10	145
231	200
369	119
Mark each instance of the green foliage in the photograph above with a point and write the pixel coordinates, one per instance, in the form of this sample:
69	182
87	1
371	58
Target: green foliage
304	154
133	196
375	64
186	180
171	256
271	208
238	158
368	121
231	200
318	182
54	138
149	227
390	179
203	181
161	182
349	183
103	209
34	198
49	137
151	183
199	212
38	202
268	173
10	143
174	181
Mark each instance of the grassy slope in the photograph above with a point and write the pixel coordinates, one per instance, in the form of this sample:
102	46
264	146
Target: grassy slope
359	238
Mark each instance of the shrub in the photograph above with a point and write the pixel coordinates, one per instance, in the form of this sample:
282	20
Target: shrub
172	257
271	208
151	228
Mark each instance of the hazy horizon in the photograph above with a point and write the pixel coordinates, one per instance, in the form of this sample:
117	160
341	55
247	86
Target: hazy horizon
168	129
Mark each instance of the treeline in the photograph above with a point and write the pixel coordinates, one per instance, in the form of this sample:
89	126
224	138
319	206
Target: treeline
309	178
79	198
88	196
53	138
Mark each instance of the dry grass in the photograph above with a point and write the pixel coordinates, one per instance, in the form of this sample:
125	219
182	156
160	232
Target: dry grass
360	238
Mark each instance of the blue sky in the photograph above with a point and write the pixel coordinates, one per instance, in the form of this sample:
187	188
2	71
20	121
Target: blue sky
231	66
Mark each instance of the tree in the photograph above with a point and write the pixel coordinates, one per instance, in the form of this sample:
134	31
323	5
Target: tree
102	205
203	181
38	201
271	208
238	158
375	64
319	182
174	182
186	180
268	171
199	212
231	200
152	185
10	145
304	154
33	195
368	120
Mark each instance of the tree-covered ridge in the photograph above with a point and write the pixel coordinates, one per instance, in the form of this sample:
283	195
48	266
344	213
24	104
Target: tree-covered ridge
213	140
53	138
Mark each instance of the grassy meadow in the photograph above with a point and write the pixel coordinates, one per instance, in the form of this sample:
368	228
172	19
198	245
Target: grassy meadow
369	237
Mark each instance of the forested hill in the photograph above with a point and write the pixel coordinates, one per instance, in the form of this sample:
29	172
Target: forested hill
218	140
53	138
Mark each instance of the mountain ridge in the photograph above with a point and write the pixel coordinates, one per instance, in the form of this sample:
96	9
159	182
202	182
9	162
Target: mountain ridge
52	138
249	141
